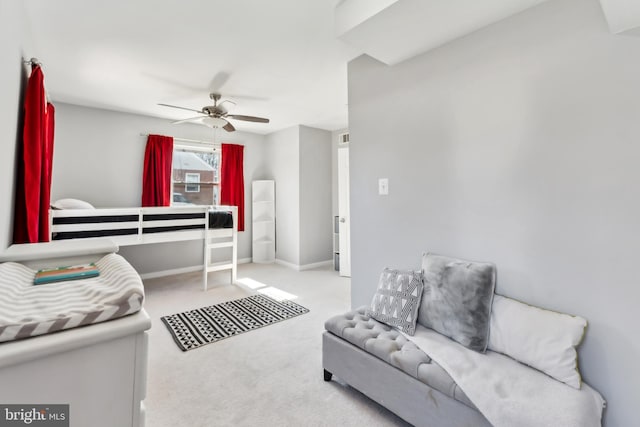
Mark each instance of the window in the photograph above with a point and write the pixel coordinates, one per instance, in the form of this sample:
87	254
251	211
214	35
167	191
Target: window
196	175
189	179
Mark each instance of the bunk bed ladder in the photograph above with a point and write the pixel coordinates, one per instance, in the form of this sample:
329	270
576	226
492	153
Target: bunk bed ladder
209	245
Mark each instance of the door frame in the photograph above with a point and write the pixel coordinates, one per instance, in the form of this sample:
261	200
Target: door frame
344	217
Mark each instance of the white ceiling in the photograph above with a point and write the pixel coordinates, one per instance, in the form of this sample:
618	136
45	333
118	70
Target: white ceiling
281	58
623	16
395	30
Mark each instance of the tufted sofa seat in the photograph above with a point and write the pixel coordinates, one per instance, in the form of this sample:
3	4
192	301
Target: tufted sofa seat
391	346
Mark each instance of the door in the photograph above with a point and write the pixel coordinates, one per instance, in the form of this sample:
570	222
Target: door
343	212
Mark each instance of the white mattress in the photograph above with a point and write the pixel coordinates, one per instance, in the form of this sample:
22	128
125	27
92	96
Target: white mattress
27	310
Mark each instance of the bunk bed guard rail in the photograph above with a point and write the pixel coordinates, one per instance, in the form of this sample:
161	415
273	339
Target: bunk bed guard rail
136	226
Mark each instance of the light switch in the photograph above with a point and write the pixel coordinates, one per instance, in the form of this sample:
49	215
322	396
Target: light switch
383	186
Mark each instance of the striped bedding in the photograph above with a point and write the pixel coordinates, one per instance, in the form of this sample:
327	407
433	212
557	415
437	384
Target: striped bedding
27	310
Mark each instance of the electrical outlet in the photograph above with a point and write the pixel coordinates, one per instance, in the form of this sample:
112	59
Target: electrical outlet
383	186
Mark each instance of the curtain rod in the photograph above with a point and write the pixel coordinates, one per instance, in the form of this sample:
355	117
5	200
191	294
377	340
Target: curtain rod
196	141
32	61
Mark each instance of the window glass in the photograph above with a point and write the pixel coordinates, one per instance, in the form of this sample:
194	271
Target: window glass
190	178
196	176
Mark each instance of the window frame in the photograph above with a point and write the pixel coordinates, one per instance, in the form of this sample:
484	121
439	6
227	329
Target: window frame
192	184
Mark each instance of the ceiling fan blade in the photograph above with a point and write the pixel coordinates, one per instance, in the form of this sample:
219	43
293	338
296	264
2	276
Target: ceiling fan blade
246	97
191	119
248	118
229	105
218	81
182	87
228	127
181	108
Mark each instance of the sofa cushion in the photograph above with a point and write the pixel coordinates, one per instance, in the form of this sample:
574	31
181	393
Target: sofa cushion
543	339
457	299
397	298
391	346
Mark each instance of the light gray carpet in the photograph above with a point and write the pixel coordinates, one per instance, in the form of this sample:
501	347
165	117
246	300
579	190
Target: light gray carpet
268	377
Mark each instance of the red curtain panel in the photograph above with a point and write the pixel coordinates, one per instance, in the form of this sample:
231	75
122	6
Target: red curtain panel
47	169
33	183
156	177
232	179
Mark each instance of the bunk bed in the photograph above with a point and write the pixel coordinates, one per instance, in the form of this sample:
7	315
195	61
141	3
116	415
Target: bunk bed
216	225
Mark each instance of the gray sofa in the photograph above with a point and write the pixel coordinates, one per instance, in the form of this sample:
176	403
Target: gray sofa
450	309
380	362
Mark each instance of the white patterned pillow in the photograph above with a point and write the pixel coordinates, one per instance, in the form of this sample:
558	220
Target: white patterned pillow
397	299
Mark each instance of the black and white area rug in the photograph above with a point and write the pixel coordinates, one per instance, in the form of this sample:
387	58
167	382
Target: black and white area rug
195	328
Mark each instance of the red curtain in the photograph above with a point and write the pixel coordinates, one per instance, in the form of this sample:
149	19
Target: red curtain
47	167
156	177
33	183
232	179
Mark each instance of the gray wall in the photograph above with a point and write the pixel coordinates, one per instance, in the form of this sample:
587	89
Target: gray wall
334	170
299	160
12	78
315	196
517	144
99	156
283	166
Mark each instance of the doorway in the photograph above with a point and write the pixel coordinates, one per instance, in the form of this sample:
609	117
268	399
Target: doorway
344	227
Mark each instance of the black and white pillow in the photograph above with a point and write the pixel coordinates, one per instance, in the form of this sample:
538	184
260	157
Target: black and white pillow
397	299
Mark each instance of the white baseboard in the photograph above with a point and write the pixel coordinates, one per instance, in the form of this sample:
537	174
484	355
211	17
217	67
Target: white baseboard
182	270
288	264
316	265
305	266
171	272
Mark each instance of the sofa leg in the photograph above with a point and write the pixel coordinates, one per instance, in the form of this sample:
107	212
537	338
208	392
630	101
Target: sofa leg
327	375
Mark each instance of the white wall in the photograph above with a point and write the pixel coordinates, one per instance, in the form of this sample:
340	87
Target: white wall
99	155
283	166
518	144
13	74
315	196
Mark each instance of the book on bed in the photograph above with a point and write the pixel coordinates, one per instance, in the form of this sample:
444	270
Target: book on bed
60	274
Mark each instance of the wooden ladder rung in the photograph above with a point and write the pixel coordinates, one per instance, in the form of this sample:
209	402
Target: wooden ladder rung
219	245
219	267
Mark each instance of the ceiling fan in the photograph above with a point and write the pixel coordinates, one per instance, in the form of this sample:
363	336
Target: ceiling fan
216	115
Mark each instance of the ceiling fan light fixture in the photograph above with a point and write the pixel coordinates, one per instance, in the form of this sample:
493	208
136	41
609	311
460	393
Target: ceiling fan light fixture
215	116
214	122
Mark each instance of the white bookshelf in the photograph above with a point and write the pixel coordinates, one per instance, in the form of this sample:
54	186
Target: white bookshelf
264	221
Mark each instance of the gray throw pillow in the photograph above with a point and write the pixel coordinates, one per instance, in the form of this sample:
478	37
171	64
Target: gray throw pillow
397	298
457	299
